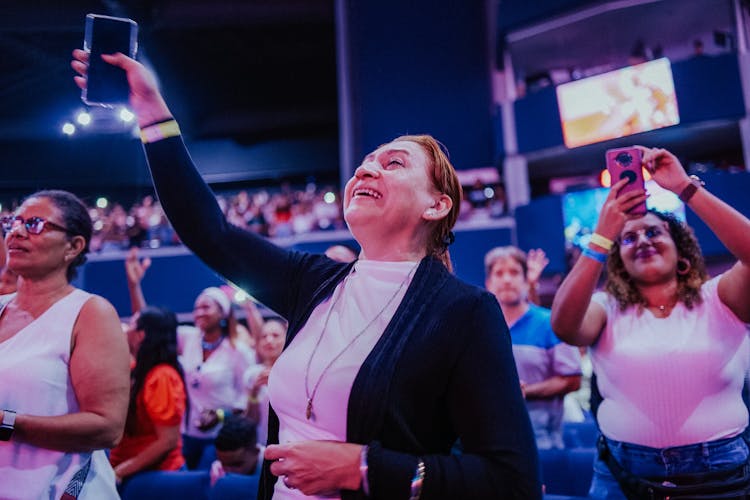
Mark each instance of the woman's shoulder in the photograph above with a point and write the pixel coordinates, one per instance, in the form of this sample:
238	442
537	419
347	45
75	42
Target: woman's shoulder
163	370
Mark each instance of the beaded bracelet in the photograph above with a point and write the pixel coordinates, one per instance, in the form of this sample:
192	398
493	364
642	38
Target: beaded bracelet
597	256
363	470
602	241
417	481
159	131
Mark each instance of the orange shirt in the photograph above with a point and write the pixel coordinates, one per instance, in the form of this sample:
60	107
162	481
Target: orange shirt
160	402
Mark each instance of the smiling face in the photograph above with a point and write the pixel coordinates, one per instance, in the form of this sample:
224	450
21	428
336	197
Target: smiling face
647	250
391	193
36	255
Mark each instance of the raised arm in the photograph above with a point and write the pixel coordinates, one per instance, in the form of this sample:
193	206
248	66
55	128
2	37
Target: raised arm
245	259
728	224
536	261
135	270
100	374
575	318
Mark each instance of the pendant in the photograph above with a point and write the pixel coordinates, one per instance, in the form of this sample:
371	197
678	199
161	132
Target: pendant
309	410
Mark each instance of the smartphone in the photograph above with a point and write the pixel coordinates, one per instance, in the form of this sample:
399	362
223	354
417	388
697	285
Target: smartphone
107	85
625	163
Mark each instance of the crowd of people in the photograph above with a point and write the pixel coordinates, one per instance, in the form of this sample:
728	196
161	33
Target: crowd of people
275	213
385	376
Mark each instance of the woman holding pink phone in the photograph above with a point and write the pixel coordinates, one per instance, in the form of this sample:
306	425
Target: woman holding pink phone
669	346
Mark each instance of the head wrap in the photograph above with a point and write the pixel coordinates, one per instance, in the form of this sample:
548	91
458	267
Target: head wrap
220	298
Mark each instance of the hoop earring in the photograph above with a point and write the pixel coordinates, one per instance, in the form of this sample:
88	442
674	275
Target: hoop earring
683	266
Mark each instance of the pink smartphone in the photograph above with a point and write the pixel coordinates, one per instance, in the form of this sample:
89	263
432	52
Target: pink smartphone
625	163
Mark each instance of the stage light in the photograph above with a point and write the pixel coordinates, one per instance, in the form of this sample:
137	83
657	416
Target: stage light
68	128
102	202
83	118
126	115
240	296
489	193
329	197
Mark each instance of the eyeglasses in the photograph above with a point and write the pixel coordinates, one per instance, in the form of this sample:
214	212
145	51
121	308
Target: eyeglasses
33	225
651	233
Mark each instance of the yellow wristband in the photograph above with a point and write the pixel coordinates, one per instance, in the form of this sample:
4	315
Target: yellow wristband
159	131
605	243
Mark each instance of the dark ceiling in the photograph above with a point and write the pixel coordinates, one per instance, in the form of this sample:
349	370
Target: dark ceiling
251	71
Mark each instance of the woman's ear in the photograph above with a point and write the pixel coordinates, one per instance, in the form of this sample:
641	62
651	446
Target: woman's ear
76	246
440	209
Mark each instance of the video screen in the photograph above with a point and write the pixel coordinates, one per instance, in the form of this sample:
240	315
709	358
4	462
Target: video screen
581	210
619	103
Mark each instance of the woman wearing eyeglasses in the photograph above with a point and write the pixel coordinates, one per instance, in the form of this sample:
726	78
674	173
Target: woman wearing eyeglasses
64	375
669	346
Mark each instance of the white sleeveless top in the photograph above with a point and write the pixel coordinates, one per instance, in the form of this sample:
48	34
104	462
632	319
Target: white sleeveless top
34	380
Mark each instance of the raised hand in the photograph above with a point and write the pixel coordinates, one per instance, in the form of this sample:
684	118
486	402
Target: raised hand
665	168
145	99
136	268
614	213
536	261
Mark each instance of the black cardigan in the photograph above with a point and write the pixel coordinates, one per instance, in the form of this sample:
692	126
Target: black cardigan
443	369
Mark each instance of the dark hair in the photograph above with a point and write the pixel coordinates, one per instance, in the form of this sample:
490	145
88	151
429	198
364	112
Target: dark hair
237	432
159	346
76	220
622	287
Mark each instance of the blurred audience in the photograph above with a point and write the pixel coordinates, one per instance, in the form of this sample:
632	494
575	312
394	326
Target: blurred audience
214	359
270	345
548	369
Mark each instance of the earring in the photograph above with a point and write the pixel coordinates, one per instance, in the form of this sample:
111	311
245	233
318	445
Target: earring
683	266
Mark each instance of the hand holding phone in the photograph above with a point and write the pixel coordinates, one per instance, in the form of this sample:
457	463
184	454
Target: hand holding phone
625	163
107	85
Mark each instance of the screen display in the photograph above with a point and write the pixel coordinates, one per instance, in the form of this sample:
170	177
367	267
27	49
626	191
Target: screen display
619	103
581	210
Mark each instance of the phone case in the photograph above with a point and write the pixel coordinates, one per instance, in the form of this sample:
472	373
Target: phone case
626	163
107	85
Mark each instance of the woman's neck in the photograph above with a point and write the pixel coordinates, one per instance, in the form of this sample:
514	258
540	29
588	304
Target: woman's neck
211	334
391	247
39	294
513	312
660	295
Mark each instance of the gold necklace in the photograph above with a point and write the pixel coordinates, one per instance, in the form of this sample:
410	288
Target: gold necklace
311	395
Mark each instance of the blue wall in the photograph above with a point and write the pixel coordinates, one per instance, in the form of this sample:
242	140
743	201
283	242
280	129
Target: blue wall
421	67
176	276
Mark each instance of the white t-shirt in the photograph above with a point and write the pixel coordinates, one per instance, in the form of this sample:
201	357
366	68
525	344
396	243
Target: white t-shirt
672	381
217	382
373	290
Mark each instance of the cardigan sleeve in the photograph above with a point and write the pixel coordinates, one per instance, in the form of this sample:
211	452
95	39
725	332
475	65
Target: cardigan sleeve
258	266
486	408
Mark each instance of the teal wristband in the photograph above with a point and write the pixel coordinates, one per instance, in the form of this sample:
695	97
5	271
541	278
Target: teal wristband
594	255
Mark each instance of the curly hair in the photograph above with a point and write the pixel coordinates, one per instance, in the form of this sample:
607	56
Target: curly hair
622	287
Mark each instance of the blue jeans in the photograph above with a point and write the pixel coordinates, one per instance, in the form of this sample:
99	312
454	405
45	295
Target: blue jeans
723	454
